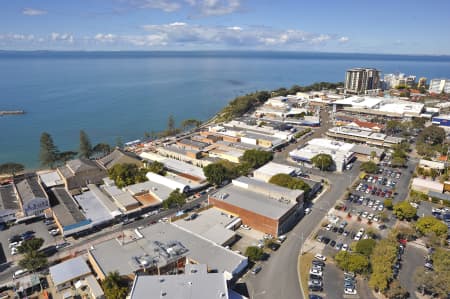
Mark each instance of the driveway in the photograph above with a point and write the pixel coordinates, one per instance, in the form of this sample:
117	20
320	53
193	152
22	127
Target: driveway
412	259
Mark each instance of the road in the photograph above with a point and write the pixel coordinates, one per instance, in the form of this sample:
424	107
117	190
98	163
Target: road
279	277
84	243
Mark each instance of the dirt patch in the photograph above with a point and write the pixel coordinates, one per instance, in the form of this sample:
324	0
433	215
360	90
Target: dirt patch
304	264
147	199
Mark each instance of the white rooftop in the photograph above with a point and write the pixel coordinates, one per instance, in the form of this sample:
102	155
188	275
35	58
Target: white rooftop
272	168
51	179
183	167
69	270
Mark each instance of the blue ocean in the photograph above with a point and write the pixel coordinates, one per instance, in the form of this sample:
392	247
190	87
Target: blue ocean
124	94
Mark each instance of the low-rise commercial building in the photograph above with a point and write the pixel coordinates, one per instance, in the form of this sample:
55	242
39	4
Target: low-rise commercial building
340	152
266	172
160	249
67	273
196	283
9	206
265	207
33	200
352	134
425	186
78	173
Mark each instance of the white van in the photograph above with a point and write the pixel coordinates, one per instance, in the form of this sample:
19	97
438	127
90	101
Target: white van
20	273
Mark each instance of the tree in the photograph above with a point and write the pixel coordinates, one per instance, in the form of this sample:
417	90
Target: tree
85	145
382	259
114	287
432	135
370	167
101	149
216	173
373	154
436	282
322	161
66	156
254	253
11	168
404	210
48	151
353	262
256	158
429	224
33	259
127	174
190	123
388	204
156	167
175	200
30	245
285	180
365	246
396	291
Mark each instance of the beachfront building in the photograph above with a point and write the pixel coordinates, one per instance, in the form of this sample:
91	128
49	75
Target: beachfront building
396	80
439	85
361	80
162	248
265	207
119	156
340	152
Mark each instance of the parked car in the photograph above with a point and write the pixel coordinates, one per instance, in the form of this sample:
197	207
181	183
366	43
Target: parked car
246	227
256	270
349	291
315	272
320	257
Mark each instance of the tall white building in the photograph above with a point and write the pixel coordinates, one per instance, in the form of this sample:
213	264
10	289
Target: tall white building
440	85
394	80
361	80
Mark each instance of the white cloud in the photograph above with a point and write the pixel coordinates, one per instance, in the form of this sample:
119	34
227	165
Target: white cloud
218	7
164	5
33	12
105	37
344	39
65	37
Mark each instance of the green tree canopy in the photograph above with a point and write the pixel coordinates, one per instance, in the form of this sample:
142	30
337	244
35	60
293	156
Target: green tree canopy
101	149
30	245
114	287
285	180
175	200
32	259
322	161
382	259
432	135
404	210
85	145
429	224
48	154
369	166
127	174
256	158
66	156
365	246
254	253
157	167
353	262
388	204
11	168
216	173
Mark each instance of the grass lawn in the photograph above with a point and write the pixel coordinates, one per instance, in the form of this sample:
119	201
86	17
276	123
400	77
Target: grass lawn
304	264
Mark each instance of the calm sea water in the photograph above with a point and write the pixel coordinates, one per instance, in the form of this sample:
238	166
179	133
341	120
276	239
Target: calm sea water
125	94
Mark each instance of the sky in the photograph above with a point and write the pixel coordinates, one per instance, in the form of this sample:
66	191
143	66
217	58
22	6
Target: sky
362	26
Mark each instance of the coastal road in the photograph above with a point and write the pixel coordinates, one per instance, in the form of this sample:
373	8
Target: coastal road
83	243
279	277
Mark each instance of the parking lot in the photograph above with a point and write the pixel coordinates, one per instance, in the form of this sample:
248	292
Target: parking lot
40	229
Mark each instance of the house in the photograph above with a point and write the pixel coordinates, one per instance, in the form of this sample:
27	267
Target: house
65	274
32	198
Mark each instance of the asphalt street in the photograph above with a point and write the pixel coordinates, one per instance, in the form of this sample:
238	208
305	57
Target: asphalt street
279	277
412	259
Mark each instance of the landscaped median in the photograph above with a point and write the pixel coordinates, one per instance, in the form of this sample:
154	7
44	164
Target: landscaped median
304	264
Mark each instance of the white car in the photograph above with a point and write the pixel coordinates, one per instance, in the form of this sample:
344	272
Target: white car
320	257
329	226
370	217
54	232
14	251
349	291
246	227
358	236
315	272
365	214
344	247
376	218
414	205
307	211
380	207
